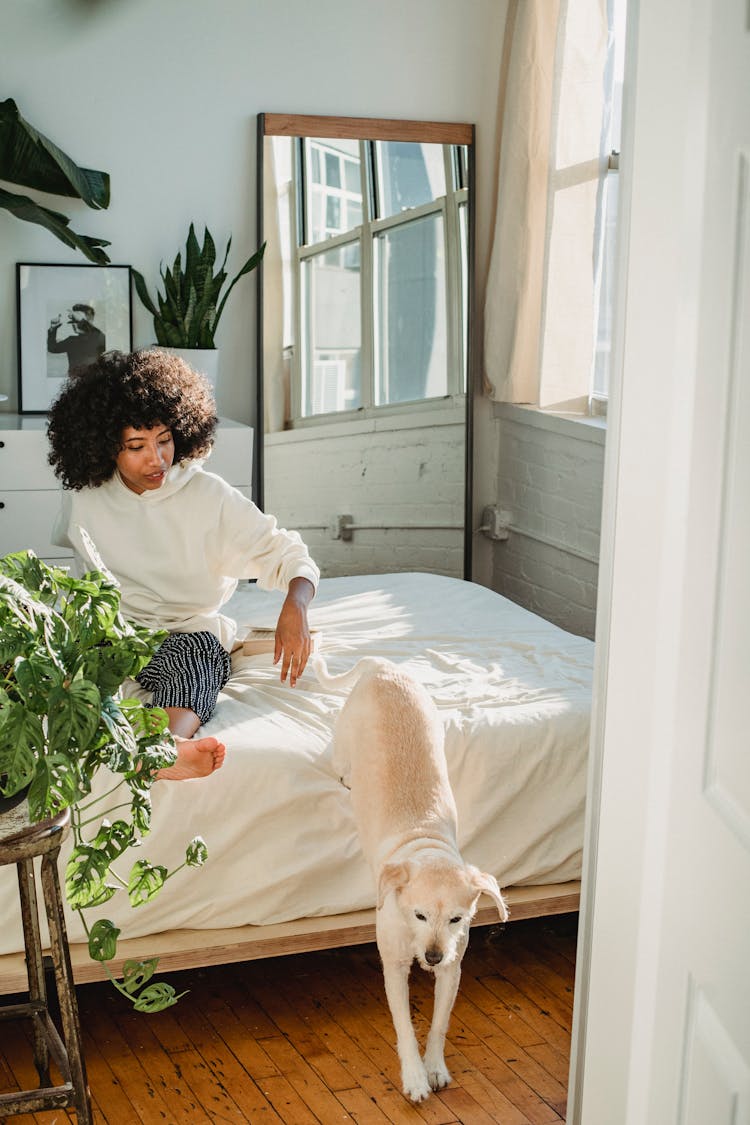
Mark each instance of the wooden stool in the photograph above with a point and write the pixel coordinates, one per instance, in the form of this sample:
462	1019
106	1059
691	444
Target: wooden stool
20	842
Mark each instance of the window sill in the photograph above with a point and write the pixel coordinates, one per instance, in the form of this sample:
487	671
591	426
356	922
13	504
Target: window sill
436	412
584	427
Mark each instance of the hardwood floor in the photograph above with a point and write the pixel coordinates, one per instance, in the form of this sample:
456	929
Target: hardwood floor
308	1039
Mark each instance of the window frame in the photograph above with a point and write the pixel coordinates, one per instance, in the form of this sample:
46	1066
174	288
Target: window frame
457	278
606	250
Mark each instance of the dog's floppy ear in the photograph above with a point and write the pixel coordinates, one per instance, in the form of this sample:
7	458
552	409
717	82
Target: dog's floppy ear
488	883
393	877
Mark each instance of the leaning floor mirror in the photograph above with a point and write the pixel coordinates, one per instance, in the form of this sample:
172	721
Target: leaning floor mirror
364	339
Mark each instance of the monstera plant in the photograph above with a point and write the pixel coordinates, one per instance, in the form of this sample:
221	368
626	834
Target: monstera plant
30	159
187	314
65	649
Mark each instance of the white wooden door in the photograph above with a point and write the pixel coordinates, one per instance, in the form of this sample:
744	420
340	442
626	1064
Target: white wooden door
663	1009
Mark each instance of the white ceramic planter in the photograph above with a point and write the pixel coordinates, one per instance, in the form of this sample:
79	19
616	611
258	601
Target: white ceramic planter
204	360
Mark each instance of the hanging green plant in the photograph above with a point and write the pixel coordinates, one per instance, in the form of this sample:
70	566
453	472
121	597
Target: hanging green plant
187	314
29	158
65	649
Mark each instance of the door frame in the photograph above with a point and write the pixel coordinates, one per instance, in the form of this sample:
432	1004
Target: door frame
665	100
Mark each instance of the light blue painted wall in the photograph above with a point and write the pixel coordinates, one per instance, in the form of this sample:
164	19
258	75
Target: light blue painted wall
164	94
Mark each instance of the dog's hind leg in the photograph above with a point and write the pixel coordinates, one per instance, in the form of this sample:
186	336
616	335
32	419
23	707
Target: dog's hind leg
413	1074
446	988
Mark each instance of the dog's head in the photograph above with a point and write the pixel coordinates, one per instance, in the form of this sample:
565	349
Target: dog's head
437	900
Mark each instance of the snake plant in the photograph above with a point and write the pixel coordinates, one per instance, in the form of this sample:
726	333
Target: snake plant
30	159
189	310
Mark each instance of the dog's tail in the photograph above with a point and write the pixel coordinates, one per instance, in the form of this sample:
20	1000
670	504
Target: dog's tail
345	679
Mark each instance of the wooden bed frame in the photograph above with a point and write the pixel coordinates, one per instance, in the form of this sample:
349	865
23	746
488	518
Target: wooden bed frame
189	949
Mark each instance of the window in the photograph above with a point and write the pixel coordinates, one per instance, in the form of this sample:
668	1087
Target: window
411	357
608	223
334	199
382	274
332	336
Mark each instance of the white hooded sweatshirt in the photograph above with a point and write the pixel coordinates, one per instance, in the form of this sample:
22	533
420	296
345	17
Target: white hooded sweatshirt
178	551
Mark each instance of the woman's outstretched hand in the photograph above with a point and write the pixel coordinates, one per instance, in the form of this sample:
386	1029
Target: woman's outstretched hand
292	631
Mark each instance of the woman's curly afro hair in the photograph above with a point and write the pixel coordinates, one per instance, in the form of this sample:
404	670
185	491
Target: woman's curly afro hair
141	389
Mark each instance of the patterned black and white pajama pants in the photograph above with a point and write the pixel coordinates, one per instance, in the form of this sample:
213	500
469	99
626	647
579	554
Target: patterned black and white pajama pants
187	670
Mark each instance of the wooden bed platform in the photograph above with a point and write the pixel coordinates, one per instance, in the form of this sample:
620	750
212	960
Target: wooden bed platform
188	949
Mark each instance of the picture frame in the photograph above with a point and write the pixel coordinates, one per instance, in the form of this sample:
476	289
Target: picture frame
68	315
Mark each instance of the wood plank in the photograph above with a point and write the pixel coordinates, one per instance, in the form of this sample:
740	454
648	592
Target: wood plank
554	1062
316	1014
519	1078
185	949
148	1106
486	1094
364	1109
361	1010
489	1052
364	996
488	1022
167	1074
299	1072
366	128
288	1107
302	1039
239	1037
372	1063
550	1031
557	1008
112	1105
518	1061
285	1016
535	967
221	1084
465	1107
499	1014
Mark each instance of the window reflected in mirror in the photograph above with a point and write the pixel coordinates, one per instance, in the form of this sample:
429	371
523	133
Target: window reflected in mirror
374	237
332	328
407	175
332	201
411	347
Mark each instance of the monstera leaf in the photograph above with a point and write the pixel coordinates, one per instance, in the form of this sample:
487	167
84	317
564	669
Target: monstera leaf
30	159
65	649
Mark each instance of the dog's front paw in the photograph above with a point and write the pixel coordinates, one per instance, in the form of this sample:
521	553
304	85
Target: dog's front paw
415	1082
438	1075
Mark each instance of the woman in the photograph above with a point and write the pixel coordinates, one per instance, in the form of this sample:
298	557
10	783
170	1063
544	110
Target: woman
128	434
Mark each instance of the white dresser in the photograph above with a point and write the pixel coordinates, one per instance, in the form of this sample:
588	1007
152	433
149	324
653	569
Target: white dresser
30	491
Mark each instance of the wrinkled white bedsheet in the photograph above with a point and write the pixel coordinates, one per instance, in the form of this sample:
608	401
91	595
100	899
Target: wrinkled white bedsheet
514	692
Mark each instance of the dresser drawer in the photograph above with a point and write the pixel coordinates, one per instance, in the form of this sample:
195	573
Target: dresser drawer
23	460
26	521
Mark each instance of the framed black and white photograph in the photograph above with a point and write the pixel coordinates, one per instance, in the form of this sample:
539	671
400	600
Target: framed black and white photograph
67	317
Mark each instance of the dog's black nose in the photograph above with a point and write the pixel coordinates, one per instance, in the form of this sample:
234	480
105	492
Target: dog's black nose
433	956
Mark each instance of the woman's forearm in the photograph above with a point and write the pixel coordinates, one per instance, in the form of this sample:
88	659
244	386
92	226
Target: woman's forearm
301	590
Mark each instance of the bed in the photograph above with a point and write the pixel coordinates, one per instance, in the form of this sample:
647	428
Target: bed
285	872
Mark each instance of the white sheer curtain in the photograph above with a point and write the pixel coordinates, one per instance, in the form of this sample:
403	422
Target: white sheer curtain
277	280
540	306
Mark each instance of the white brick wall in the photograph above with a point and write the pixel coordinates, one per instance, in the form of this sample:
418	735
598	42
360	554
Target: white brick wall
395	471
550	472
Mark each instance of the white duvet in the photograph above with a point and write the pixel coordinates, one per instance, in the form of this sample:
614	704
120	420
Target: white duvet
514	692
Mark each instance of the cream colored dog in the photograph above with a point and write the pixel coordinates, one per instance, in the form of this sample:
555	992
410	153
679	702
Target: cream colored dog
388	748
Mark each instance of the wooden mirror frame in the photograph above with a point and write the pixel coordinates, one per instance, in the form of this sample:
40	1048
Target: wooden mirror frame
377	129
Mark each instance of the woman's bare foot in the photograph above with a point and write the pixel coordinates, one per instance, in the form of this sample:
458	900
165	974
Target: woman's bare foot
196	757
